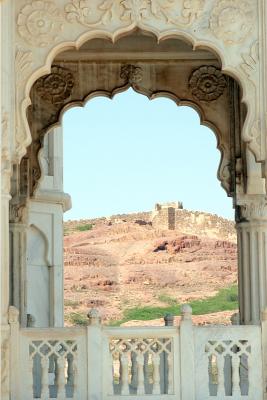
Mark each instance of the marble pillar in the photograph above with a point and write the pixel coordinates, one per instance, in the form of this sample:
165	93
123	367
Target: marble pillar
252	259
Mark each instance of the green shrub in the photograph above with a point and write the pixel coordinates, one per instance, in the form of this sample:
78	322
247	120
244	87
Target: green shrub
85	227
224	300
77	319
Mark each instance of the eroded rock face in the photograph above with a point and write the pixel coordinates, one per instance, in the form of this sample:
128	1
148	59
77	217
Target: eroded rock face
179	244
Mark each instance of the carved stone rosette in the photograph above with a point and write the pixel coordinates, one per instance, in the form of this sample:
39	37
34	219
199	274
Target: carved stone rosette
232	20
207	83
56	87
39	23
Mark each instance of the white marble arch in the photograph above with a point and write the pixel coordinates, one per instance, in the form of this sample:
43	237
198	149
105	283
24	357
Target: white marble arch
33	32
235	41
36	31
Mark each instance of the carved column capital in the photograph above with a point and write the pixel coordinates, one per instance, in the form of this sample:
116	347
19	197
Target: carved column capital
13	315
17	213
252	208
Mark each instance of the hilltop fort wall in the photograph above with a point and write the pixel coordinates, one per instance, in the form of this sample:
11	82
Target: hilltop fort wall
169	216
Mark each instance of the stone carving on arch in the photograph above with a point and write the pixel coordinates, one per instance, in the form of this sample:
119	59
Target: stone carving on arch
140	77
202	23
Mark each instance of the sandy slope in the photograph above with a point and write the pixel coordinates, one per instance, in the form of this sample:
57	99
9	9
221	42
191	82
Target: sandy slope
120	265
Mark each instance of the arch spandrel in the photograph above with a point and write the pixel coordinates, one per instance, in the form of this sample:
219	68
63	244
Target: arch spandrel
228	28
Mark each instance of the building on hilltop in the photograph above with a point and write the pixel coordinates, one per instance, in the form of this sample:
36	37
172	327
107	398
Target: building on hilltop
164	215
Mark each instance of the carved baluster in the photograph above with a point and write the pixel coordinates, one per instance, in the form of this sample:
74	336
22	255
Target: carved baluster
207	360
140	374
250	393
110	375
134	370
124	374
235	375
146	370
45	378
31	383
61	378
156	374
220	366
120	371
170	373
70	372
74	377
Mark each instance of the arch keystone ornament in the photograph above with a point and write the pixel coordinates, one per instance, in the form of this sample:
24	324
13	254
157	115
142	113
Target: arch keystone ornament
232	20
39	23
131	74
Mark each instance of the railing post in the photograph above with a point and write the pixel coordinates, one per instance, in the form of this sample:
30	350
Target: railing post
187	354
94	357
264	350
14	353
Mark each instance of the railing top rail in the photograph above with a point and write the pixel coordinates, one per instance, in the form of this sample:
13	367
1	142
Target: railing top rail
224	329
52	333
139	332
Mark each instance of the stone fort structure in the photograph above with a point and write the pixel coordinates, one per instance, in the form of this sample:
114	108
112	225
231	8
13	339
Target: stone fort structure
55	54
165	215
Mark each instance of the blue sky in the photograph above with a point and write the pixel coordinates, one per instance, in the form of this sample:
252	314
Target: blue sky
126	154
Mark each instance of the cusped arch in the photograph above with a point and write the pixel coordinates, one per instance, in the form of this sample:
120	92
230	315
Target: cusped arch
187	36
222	172
131	79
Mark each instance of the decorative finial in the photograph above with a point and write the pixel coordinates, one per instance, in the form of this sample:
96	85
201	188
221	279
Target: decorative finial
186	312
94	317
13	315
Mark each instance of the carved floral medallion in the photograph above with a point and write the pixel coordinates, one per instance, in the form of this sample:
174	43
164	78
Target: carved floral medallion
207	83
56	87
232	20
39	23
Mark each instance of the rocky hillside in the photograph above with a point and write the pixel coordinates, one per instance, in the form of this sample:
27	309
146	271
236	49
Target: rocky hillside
122	262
